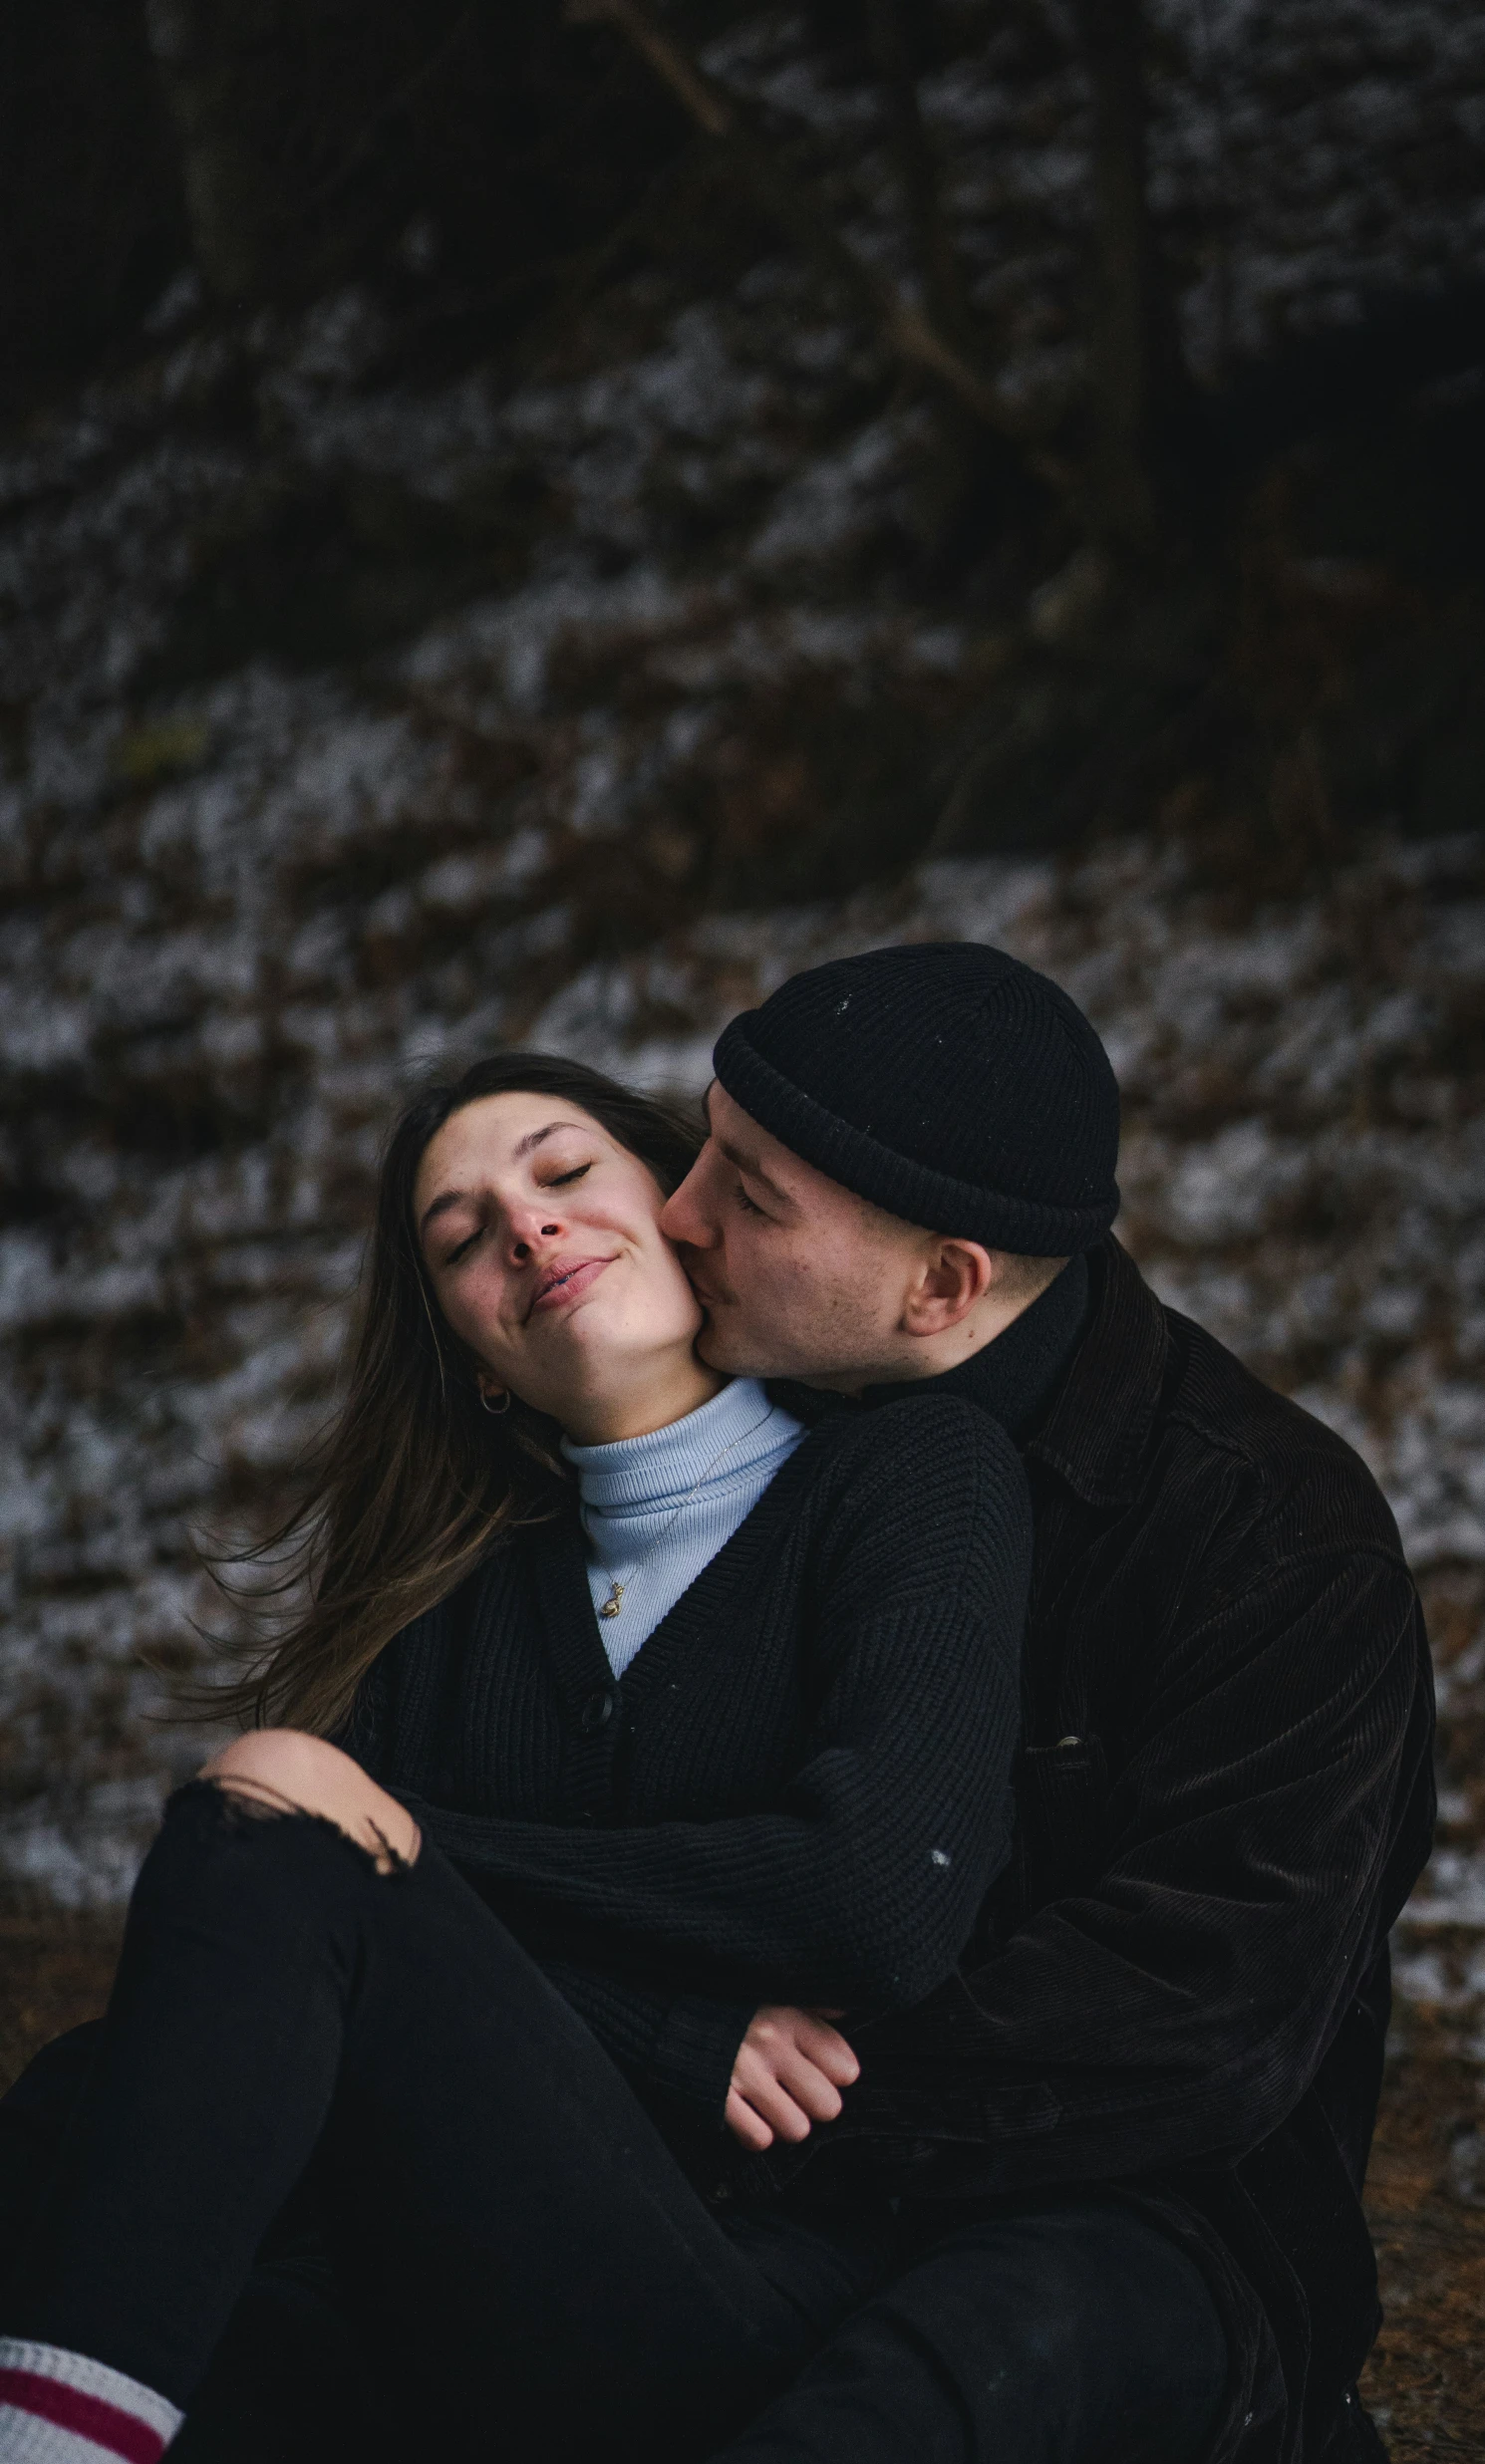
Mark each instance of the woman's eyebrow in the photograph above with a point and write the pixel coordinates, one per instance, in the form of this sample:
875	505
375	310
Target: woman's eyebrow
440	1206
534	1137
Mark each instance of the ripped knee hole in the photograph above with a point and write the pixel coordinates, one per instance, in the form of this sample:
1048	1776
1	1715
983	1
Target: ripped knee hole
258	1800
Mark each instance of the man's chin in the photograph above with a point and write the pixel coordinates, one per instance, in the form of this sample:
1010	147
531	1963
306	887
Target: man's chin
734	1353
719	1347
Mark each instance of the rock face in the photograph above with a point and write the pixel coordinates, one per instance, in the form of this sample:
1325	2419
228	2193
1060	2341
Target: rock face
364	703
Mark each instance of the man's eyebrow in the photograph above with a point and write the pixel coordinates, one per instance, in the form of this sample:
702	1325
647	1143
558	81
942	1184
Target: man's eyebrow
523	1146
754	1169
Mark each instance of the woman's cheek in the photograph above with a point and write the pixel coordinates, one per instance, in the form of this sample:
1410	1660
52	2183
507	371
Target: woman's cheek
474	1315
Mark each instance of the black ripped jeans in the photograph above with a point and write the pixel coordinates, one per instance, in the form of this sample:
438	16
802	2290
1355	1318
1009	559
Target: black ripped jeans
520	2267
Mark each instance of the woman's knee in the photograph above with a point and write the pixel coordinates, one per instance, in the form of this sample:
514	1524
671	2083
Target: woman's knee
290	1770
288	1761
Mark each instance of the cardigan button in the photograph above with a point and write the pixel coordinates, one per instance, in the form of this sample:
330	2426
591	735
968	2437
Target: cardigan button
597	1711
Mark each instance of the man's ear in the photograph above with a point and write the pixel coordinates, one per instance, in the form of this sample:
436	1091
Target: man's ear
953	1278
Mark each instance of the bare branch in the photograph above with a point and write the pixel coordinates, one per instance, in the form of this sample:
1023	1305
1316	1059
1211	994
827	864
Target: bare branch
365	141
708	107
908	331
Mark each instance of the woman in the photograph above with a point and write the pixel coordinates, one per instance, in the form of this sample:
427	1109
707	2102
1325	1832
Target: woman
635	1761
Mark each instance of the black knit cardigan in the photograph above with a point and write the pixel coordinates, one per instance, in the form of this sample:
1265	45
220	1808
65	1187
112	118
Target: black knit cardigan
799	1790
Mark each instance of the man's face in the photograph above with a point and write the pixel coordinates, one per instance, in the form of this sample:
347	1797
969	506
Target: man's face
797	1276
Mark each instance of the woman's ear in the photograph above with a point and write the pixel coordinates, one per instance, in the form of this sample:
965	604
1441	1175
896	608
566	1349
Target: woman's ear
954	1276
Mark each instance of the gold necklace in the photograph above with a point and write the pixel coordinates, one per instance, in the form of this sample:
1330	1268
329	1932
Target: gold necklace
615	1601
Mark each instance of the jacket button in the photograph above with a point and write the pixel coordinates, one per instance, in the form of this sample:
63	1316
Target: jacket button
597	1711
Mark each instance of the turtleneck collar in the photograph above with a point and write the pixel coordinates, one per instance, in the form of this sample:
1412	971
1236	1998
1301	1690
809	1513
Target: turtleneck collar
712	1449
1015	1377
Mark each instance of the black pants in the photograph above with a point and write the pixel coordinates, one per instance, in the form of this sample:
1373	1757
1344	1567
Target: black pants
516	2265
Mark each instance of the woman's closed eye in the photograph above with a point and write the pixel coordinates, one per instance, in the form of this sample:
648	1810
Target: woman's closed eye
559	1180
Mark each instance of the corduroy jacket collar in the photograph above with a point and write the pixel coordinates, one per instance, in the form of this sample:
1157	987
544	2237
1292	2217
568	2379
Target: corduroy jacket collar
1014	1377
1075	1379
1095	1435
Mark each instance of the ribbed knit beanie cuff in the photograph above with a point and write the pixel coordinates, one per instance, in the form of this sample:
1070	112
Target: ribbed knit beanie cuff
946	1083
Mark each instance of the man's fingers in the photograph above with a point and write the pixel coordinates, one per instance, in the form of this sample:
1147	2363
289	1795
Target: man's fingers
811	2089
828	2049
759	2085
789	2075
780	2029
747	2125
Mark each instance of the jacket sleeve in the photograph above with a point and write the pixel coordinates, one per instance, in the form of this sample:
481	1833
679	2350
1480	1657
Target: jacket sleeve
1176	2008
860	1882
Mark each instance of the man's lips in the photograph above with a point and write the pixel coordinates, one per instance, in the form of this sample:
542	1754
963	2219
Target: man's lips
709	1298
565	1280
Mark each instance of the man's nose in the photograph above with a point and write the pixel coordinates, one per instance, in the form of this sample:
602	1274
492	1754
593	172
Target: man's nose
684	1217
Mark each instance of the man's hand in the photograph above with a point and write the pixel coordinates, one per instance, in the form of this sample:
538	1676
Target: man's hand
791	2068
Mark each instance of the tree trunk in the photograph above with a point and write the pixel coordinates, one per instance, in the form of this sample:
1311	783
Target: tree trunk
1135	365
943	287
91	216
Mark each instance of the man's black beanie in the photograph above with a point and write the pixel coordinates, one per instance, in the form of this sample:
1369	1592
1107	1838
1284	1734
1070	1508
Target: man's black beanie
946	1083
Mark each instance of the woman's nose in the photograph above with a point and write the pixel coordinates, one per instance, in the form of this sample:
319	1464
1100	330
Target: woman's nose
525	1229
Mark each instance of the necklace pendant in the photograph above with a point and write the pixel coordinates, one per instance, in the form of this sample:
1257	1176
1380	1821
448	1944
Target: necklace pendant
614	1602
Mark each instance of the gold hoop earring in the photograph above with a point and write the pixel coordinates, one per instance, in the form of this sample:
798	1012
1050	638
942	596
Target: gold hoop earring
495	1409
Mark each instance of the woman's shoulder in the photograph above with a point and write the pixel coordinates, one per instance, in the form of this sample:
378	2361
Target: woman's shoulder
927	1432
503	1567
920	1495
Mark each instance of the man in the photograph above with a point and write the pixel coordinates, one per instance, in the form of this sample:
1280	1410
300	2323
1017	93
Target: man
1132	2135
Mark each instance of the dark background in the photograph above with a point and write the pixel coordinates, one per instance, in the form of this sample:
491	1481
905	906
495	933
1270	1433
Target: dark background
1274	470
485	555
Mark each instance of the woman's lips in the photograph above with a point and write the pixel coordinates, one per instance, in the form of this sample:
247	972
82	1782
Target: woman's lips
567	1282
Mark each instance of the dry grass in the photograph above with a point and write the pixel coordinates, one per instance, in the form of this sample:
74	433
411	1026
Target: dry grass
1425	2382
54	1973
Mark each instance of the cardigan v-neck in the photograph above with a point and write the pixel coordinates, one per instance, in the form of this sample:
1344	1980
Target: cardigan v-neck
656	1508
593	1696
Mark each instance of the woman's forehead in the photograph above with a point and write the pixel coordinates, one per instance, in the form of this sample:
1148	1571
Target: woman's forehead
495	1132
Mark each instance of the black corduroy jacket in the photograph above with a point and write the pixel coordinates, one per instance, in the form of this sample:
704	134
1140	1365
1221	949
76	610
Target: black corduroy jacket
1180	1985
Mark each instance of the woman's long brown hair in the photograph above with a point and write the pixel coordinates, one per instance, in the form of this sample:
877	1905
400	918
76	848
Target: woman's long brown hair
414	1481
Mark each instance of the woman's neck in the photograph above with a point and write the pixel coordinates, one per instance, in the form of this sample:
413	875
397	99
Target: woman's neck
638	1409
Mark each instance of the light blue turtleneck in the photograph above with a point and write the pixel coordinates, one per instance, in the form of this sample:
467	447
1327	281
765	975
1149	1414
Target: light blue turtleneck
658	1509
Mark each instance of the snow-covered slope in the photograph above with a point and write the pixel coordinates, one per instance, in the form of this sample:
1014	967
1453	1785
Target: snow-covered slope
348	723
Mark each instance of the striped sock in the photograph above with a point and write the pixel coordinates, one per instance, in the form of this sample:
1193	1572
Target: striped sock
58	2407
